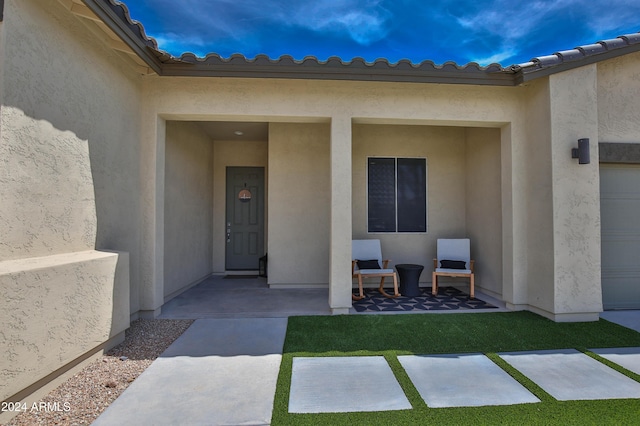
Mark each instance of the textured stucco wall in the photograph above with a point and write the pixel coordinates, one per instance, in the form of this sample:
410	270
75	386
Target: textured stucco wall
64	96
56	308
576	195
68	184
444	149
538	261
233	154
483	206
619	99
188	205
299	206
463	186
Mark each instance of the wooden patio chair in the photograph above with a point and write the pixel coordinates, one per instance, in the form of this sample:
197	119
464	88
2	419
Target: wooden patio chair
454	260
367	262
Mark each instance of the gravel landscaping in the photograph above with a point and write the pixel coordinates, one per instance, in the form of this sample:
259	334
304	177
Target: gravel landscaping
83	397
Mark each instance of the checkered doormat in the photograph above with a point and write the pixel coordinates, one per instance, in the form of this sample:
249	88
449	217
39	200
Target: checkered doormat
448	299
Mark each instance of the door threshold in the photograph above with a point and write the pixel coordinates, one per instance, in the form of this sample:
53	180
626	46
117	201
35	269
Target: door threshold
243	273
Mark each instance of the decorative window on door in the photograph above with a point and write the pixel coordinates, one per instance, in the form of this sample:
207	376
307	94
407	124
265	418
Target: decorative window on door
397	194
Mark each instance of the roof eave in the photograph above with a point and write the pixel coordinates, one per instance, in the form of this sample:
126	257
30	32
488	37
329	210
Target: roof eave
321	72
525	74
107	12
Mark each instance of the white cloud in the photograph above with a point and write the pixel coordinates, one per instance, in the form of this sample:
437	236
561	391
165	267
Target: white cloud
364	21
517	24
246	22
497	57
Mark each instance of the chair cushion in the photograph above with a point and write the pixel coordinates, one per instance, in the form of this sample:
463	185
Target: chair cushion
453	264
376	271
453	271
368	264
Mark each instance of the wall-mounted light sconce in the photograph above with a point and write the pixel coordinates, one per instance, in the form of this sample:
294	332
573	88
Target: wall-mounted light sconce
582	151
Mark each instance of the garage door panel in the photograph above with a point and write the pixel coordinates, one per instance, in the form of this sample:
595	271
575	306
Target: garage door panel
620	227
622	292
621	252
621	215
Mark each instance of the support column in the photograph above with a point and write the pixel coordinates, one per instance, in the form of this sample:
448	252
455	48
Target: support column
152	189
576	196
341	217
514	213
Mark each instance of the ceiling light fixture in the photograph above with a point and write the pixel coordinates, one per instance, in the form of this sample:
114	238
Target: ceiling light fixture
238	133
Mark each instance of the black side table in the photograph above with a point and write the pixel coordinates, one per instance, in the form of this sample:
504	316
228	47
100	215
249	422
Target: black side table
409	275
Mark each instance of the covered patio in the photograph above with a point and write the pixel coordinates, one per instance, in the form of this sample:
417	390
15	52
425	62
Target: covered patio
220	297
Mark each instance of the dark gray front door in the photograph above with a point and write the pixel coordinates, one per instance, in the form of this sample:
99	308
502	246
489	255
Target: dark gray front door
245	218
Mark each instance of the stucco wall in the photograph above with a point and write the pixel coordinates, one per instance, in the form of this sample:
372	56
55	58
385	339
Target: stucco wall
56	308
233	154
299	206
538	261
576	195
618	92
188	206
464	193
67	96
484	206
68	182
444	149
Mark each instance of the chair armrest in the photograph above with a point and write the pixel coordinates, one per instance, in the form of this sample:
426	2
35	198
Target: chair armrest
435	263
472	263
385	263
353	267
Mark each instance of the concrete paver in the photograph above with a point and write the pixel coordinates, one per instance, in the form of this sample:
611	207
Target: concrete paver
567	374
344	384
628	358
466	380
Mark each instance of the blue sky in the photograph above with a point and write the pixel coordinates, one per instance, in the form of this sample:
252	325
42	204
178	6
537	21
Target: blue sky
483	31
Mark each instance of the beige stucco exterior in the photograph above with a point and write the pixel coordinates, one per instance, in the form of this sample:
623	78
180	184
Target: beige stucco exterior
112	189
188	225
68	185
618	88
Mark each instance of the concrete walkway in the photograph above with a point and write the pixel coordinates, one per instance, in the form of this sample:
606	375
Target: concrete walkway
219	372
223	371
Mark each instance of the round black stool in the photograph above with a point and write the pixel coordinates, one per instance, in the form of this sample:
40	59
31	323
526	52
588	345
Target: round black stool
409	275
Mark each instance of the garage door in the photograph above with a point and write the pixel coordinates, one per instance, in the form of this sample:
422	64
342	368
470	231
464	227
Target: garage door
620	219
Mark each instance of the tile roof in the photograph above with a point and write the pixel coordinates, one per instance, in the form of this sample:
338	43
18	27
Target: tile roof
116	15
579	56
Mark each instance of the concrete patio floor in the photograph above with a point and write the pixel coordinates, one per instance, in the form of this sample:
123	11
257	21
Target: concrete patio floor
224	297
220	297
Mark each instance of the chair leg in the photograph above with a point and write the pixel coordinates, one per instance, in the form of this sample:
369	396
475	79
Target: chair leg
395	288
434	284
471	287
361	291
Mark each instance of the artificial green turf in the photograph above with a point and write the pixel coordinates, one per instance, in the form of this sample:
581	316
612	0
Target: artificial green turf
488	333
